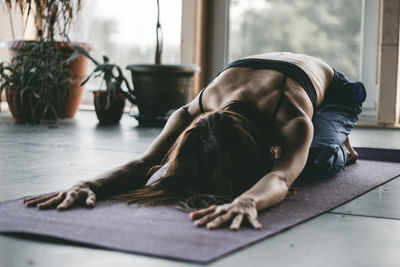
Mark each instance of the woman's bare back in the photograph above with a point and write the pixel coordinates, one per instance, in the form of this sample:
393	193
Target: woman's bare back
262	87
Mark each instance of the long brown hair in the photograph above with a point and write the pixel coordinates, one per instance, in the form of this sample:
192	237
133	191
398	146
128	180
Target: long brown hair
219	156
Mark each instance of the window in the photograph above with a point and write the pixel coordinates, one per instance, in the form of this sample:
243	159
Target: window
330	30
124	30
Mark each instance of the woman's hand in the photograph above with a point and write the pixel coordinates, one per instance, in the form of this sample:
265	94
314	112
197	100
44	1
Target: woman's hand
216	216
64	199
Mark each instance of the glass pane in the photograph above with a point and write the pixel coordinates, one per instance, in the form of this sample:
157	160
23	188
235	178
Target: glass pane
125	31
330	30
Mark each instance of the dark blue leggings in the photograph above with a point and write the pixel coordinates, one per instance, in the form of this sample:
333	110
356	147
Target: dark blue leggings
332	124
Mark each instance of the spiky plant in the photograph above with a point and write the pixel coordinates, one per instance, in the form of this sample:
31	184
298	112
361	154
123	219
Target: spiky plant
111	75
38	79
51	17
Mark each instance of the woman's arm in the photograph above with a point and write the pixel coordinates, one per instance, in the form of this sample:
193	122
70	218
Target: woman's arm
129	176
270	189
273	187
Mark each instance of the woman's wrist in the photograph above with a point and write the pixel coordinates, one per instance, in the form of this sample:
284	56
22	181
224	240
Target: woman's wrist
262	198
93	185
245	199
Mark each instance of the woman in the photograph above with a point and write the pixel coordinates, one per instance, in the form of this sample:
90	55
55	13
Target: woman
240	144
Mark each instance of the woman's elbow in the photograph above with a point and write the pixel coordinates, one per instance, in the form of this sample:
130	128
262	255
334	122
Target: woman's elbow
281	186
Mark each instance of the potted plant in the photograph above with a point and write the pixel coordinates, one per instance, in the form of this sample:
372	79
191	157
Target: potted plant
52	19
35	82
109	103
160	89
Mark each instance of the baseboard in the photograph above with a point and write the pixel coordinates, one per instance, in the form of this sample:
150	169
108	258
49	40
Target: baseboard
375	124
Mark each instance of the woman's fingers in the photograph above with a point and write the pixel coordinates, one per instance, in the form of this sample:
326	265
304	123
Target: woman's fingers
36	200
51	202
37	197
235	212
200	213
64	199
91	198
237	221
207	218
254	222
33	198
220	220
69	200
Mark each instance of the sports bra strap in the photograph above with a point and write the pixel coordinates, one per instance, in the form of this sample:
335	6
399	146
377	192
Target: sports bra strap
201	100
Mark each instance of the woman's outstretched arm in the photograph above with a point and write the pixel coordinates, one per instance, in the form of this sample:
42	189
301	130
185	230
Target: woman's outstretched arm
129	176
270	189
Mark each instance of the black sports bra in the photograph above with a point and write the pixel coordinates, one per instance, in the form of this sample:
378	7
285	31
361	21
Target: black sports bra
288	69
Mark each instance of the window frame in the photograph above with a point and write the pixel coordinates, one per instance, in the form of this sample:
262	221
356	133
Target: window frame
218	48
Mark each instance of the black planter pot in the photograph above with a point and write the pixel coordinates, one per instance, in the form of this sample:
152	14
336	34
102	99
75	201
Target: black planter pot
161	89
108	113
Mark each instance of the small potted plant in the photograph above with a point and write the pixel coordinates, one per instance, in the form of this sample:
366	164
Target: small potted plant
35	82
52	20
109	103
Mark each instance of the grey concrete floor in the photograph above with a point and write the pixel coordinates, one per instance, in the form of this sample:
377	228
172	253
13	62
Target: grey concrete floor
33	160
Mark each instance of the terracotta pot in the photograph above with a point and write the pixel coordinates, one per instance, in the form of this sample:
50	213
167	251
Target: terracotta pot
21	112
78	68
113	113
16	107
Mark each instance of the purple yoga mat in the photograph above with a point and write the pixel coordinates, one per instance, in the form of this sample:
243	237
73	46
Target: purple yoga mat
169	233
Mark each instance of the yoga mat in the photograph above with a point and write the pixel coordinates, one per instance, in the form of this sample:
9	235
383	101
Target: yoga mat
169	233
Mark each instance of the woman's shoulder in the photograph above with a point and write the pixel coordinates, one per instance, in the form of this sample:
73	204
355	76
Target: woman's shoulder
296	128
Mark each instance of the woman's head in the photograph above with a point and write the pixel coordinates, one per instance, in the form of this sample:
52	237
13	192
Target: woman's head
219	155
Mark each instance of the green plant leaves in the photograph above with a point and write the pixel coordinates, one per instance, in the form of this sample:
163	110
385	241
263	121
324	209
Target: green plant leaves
79	50
51	17
38	77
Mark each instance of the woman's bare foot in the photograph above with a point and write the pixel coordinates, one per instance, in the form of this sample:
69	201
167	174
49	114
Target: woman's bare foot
352	155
